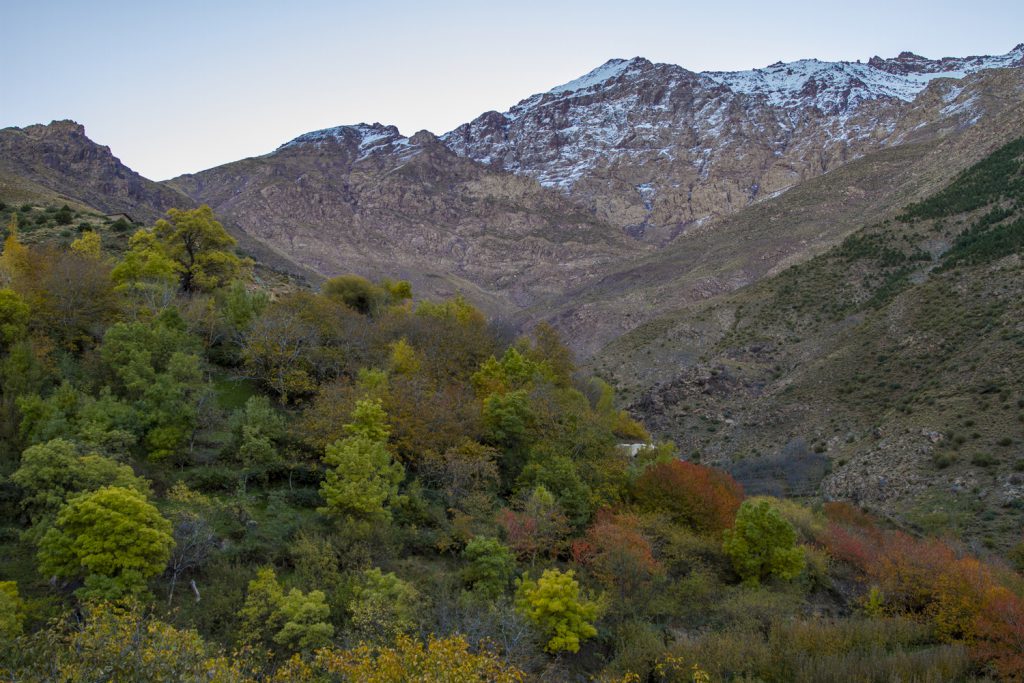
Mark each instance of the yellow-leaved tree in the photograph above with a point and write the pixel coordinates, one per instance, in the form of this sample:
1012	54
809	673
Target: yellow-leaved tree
190	245
554	605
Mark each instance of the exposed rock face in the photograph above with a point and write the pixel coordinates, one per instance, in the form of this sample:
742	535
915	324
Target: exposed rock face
657	149
366	199
60	157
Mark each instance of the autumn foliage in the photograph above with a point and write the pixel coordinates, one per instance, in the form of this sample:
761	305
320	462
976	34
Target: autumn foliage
614	548
999	635
961	597
618	556
702	497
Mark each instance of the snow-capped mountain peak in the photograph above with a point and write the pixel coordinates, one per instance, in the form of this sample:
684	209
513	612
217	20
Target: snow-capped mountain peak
644	144
835	86
613	68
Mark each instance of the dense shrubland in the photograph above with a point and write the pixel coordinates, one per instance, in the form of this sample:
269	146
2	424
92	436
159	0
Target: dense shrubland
201	480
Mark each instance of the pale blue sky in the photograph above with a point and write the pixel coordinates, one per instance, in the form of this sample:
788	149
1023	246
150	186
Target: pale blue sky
181	86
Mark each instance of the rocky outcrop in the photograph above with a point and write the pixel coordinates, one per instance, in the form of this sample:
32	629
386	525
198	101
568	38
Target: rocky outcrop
61	158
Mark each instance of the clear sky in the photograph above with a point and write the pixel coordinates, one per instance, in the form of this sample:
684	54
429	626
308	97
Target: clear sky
175	87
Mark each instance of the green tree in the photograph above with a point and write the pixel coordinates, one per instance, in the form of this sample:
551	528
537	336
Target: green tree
369	421
405	360
549	349
556	472
363	478
14	317
157	370
52	472
146	269
356	292
383	606
296	620
201	247
489	566
763	544
508	420
257	428
23	372
305	621
554	605
64	215
240	307
12	612
190	244
104	424
260	615
113	538
398	290
513	372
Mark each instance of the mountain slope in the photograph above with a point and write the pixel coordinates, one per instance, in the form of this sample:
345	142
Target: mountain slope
369	200
58	164
726	254
60	158
620	196
892	365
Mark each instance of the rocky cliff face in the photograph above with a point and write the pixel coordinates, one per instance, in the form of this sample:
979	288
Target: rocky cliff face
658	149
369	200
61	158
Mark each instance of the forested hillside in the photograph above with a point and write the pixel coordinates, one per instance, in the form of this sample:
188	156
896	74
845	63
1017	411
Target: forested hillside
208	476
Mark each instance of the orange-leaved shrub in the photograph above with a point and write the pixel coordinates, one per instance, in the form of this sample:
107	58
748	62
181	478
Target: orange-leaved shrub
702	497
617	553
961	597
999	635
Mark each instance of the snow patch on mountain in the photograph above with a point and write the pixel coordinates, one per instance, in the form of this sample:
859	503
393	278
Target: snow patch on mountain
832	86
366	139
613	68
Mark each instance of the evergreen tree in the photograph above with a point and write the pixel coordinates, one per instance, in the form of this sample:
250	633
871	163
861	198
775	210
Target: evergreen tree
362	479
763	544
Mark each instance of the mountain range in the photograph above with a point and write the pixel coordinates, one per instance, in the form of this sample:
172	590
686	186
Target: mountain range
516	209
645	210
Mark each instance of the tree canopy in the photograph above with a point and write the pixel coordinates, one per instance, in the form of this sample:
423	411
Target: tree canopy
112	538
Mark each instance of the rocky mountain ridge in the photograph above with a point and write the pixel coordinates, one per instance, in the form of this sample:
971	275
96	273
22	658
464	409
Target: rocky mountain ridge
657	148
59	157
366	199
730	252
